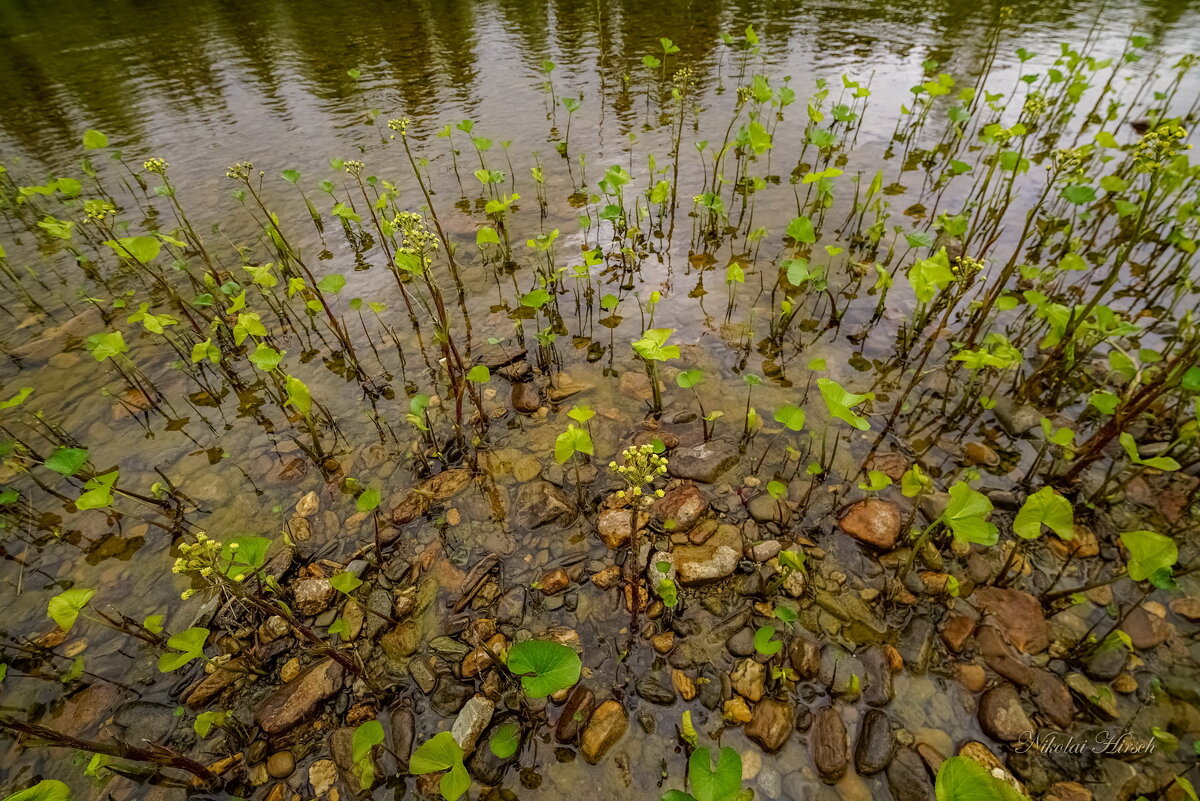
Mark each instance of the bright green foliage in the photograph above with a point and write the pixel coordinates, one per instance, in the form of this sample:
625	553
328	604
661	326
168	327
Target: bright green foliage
653	345
1151	556
967	516
45	790
841	403
187	645
792	417
800	229
67	461
686	379
141	249
1165	463
963	779
345	583
764	641
1045	508
544	667
206	720
65	607
438	753
572	441
876	480
722	783
505	740
366	736
106	345
244	555
298	396
480	374
929	276
97	492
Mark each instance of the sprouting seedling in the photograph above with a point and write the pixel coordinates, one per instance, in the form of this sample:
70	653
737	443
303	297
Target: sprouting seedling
876	480
205	721
690	379
792	418
442	753
64	608
652	348
765	642
1129	445
185	646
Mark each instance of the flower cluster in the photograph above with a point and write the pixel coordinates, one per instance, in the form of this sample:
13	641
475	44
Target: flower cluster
240	171
1035	105
155	165
1159	146
965	266
98	210
415	232
399	126
203	557
639	467
354	168
683	79
743	95
1069	162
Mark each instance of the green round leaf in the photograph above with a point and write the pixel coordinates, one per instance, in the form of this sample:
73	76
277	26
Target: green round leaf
544	667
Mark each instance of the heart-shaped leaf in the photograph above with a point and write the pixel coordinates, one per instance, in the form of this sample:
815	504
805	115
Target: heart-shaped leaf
544	667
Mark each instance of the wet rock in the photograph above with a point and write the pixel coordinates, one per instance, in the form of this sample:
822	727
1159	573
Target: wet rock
300	698
401	641
736	710
472	719
956	630
765	509
873	522
829	744
1001	658
1097	702
981	454
916	643
575	714
605	728
525	398
144	720
1068	791
749	679
679	510
488	768
973	749
496	356
540	503
714	560
322	775
876	744
683	684
973	678
1052	698
404	726
878	677
607	578
765	551
1146	627
450	696
1107	663
907	778
805	657
554	581
566	387
1188	608
1018	615
741	643
213	684
649	688
840	670
771	724
427	494
616	527
281	764
1016	419
312	596
705	462
1001	715
511	606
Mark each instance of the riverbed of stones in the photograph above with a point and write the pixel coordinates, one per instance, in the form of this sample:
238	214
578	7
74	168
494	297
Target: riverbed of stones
429	629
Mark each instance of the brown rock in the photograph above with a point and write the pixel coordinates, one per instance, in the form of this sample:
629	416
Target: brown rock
525	398
1068	791
1001	715
972	677
749	679
429	492
683	684
312	596
771	724
829	744
554	581
607	578
605	728
873	522
736	710
1018	615
956	631
300	698
1188	608
575	714
679	510
616	526
1146	628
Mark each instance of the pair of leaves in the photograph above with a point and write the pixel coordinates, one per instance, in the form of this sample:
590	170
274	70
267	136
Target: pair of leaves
967	516
841	402
97	492
187	645
653	345
572	441
1164	463
438	753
